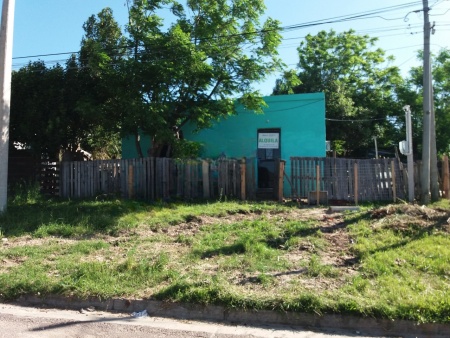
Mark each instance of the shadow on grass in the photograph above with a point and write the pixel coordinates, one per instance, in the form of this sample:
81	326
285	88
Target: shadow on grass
279	242
64	218
414	233
227	250
407	233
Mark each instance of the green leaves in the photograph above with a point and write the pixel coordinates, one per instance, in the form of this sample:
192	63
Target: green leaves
360	89
212	51
151	76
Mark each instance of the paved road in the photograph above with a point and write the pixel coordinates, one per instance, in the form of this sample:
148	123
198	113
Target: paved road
25	322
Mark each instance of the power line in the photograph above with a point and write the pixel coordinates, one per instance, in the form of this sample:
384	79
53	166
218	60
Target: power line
362	120
350	17
342	18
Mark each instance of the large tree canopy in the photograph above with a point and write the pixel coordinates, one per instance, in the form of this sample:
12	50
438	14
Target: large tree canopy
39	116
159	76
360	88
50	111
441	86
413	95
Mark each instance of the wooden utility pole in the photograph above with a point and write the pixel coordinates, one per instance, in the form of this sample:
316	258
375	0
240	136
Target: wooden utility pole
426	139
6	45
434	172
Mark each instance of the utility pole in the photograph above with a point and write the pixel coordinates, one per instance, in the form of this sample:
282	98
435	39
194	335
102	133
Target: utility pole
426	140
6	45
434	173
376	146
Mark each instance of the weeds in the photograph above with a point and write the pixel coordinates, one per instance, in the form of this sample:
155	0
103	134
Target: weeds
246	255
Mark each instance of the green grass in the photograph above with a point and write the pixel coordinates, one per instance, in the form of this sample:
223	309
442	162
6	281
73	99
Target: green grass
237	254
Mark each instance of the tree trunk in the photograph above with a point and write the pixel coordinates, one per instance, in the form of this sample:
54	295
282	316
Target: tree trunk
137	142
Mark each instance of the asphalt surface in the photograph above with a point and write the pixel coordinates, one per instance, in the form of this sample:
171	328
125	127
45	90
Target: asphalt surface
31	322
93	317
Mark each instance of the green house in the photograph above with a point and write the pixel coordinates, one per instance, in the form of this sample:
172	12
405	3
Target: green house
292	125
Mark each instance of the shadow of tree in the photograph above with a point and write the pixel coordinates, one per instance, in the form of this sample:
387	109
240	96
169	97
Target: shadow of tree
227	250
90	217
411	236
408	232
278	242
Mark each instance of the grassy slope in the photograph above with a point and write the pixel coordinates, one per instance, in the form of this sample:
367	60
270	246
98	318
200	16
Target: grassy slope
389	261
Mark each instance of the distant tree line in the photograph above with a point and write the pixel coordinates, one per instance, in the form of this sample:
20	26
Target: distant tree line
365	92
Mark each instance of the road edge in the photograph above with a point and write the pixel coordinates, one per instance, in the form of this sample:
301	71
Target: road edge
213	313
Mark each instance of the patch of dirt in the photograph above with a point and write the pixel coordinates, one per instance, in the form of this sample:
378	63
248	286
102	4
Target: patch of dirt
337	251
403	217
7	263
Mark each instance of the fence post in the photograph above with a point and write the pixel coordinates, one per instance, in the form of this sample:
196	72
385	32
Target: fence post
355	183
187	180
394	187
166	178
318	184
130	181
62	180
280	180
445	177
242	169
205	177
417	176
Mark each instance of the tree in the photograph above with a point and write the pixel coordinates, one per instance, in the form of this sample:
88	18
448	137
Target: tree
188	72
103	49
412	94
441	87
59	109
37	116
50	111
359	84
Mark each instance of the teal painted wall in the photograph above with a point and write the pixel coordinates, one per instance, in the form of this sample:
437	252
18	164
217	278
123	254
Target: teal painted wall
129	146
301	118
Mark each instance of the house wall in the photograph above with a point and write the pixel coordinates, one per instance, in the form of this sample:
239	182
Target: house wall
300	118
129	146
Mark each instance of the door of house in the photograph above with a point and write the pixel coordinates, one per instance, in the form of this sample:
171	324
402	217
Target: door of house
269	150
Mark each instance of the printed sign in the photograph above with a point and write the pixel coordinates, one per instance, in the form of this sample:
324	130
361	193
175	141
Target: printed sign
268	140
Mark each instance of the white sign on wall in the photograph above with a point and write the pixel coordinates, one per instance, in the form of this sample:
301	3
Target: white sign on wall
268	140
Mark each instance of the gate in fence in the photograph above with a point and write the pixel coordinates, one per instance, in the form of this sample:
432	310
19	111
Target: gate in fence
348	179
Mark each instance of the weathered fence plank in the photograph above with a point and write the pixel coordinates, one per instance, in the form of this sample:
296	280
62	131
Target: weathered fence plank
348	179
158	178
445	178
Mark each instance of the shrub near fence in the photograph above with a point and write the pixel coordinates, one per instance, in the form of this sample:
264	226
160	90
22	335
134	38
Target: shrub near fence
159	178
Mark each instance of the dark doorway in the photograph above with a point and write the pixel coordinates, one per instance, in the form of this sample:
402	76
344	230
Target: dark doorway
269	151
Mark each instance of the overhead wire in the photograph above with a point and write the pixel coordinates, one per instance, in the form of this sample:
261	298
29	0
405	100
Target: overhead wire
286	28
356	120
342	18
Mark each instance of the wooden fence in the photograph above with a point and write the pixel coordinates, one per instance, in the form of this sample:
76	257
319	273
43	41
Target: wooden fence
348	179
164	178
443	179
159	178
49	177
26	168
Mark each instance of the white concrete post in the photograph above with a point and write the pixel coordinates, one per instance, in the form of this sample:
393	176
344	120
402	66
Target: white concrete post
6	45
409	154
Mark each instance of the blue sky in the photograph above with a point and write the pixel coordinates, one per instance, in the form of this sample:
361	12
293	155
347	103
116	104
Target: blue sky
55	26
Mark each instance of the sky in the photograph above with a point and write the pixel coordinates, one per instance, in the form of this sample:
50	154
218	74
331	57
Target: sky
46	27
